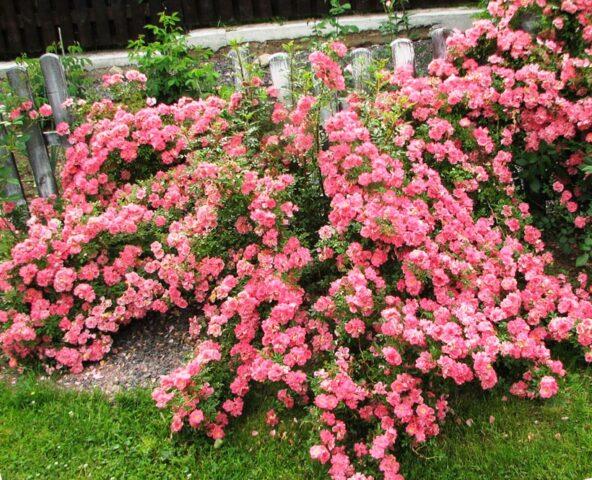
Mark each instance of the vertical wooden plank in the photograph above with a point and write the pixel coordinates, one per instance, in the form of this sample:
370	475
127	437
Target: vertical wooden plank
152	10
190	14
375	6
403	53
206	12
134	18
362	6
361	59
99	15
279	67
56	88
27	24
46	21
225	10
320	7
14	35
245	10
65	22
81	18
282	8
36	150
3	45
176	6
439	36
14	187
116	13
302	8
262	9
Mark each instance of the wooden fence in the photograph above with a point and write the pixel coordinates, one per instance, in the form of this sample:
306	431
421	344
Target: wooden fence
29	26
402	49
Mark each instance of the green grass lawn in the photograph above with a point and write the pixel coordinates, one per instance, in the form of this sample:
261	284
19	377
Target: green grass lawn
52	434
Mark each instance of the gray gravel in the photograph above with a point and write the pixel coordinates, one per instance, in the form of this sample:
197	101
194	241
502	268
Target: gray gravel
141	353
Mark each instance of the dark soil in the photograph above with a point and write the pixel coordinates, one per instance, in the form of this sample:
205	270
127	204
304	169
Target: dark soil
141	353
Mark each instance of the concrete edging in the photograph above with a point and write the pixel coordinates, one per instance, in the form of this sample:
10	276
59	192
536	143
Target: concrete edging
216	38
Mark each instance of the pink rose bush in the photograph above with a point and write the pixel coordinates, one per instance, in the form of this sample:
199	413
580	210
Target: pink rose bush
540	90
362	270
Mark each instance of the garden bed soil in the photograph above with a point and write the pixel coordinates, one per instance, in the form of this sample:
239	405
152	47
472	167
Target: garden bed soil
141	353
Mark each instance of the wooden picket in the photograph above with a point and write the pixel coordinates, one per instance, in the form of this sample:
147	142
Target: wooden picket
55	88
403	53
279	67
35	144
439	36
31	25
361	60
13	188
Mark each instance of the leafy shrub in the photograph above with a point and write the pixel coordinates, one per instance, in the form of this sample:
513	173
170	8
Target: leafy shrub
80	83
418	268
174	69
330	26
541	81
370	315
397	17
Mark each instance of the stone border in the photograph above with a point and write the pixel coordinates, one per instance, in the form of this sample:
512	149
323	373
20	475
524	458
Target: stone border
216	38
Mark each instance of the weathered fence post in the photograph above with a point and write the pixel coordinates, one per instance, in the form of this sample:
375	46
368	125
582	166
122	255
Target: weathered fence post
361	59
56	88
279	67
238	57
439	36
403	53
13	187
36	149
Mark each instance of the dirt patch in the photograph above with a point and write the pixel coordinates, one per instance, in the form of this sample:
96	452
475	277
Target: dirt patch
141	353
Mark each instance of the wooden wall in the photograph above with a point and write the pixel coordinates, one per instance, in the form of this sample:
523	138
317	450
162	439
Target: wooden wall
30	25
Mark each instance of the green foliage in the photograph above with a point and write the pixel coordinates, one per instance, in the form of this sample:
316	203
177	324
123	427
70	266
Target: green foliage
397	17
174	68
330	27
33	68
64	435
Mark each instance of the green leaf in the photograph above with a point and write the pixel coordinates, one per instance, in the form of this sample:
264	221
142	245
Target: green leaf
535	185
582	260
